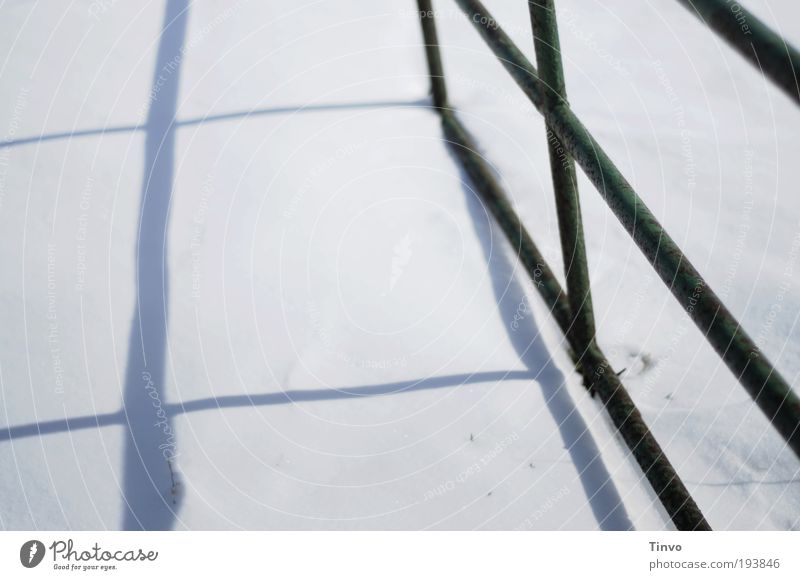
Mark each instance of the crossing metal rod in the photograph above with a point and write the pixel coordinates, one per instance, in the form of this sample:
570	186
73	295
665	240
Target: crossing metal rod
565	182
483	180
432	53
752	369
659	472
753	39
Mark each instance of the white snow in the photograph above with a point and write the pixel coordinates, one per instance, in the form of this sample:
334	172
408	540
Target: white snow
328	331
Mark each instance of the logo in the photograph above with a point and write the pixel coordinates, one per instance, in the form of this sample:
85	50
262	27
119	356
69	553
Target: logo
31	553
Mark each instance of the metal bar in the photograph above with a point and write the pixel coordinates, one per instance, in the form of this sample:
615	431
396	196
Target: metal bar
482	177
438	87
565	182
754	40
666	483
765	385
669	488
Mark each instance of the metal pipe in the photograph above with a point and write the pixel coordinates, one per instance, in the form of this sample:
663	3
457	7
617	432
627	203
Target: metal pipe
438	87
679	504
753	39
753	370
565	182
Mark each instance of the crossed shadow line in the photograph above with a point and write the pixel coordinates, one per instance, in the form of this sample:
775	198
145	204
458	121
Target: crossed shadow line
264	399
217	118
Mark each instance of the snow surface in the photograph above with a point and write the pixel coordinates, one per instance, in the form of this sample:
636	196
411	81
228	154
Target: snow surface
327	331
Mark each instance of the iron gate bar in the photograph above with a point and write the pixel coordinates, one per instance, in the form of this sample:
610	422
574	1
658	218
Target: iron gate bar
672	493
670	490
752	369
438	86
565	182
754	40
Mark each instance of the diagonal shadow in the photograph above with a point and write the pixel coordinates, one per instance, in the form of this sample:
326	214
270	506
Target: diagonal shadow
150	487
70	135
265	399
604	499
305	109
289	109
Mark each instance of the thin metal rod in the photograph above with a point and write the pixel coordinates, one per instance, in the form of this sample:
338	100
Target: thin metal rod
438	88
754	40
669	488
753	370
679	504
565	182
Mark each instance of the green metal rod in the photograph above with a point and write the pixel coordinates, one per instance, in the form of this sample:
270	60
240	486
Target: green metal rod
565	182
753	39
760	379
666	483
438	88
669	488
484	181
